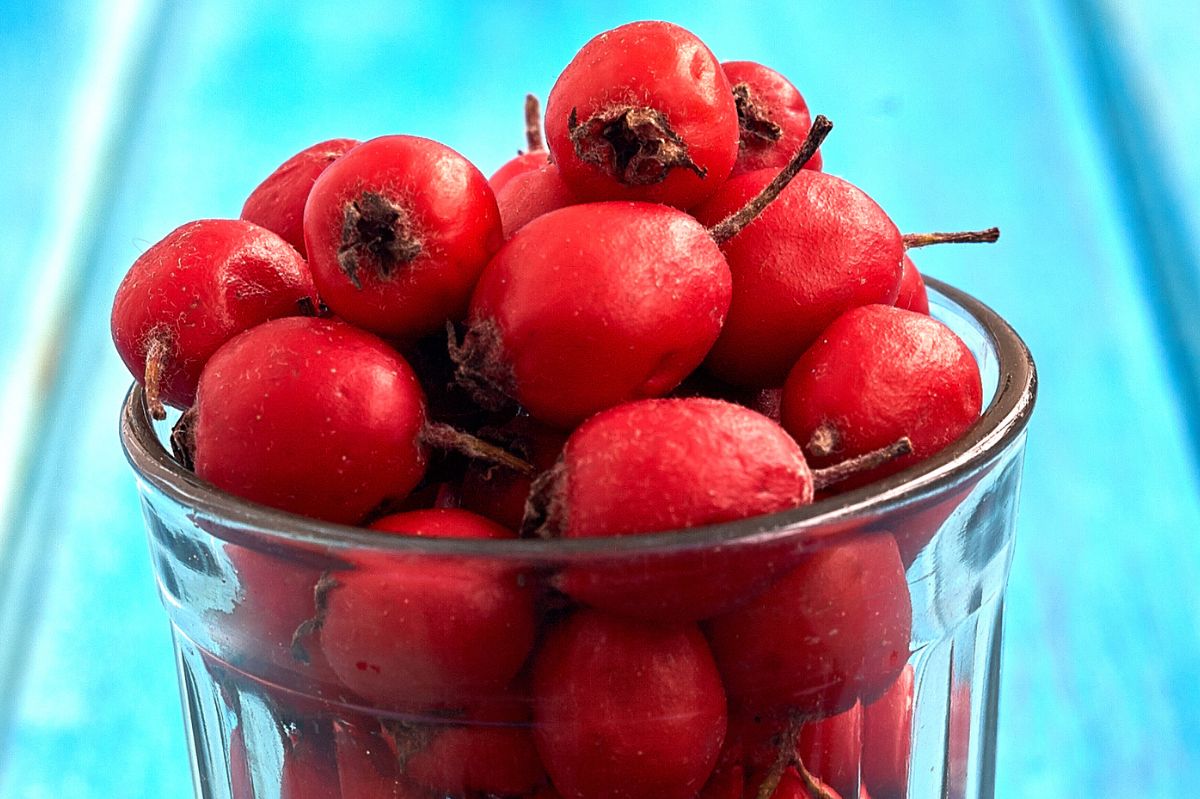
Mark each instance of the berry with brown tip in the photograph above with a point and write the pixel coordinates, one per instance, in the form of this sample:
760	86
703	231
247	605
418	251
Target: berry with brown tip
772	116
643	112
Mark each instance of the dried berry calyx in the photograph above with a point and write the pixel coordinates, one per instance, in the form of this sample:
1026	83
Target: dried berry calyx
635	145
757	128
481	367
376	232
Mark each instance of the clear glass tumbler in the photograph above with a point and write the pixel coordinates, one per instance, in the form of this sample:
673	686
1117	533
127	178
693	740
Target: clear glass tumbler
846	649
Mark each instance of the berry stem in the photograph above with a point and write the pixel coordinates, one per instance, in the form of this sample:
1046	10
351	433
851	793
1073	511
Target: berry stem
157	354
823	478
914	240
533	124
815	789
784	757
443	436
731	225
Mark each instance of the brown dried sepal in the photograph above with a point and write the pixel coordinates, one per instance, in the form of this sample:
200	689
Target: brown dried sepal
376	234
756	126
481	367
183	440
546	507
636	145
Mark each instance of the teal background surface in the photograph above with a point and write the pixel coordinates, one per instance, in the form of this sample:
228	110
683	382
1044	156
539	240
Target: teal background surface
1071	124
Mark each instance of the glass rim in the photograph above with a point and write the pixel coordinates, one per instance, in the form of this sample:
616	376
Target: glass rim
1002	422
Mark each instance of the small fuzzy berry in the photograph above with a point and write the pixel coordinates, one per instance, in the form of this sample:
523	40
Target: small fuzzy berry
875	374
489	750
278	202
643	112
397	232
663	465
311	416
593	305
418	632
912	296
534	157
822	247
887	738
830	632
626	709
204	283
531	194
773	118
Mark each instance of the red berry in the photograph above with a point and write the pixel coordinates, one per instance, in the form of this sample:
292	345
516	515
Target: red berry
367	766
879	373
627	709
913	296
821	248
832	631
662	465
531	194
397	231
489	750
829	748
887	738
311	416
593	305
278	202
772	116
412	632
191	292
643	112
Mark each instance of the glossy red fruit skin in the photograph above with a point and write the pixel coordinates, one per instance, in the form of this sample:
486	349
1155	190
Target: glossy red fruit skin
887	738
913	296
670	464
782	104
423	632
830	632
627	709
530	194
311	416
879	373
452	214
278	202
491	751
518	164
593	305
367	767
660	66
204	283
791	786
821	248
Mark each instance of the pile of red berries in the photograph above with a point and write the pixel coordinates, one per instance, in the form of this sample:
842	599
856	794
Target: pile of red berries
669	318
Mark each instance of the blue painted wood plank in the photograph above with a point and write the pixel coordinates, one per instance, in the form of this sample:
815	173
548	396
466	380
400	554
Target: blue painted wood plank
951	116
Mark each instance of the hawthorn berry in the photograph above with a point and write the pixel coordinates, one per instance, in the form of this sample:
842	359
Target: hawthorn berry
711	461
411	632
832	631
397	231
877	373
278	202
205	282
531	194
592	305
536	156
912	296
489	749
311	416
822	247
887	738
773	118
627	709
643	112
829	747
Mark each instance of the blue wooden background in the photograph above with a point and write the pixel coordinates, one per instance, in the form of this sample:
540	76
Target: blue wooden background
1071	124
